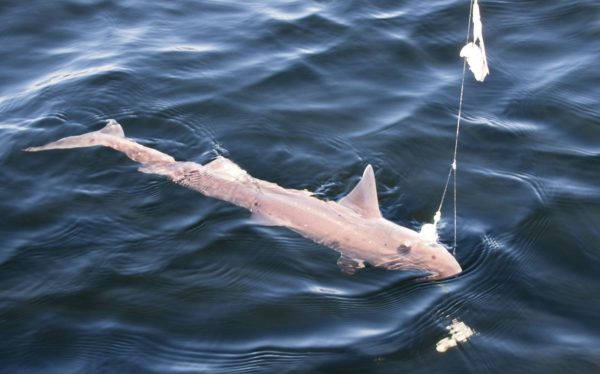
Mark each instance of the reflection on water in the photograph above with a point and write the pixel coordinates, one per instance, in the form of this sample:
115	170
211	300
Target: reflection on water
459	333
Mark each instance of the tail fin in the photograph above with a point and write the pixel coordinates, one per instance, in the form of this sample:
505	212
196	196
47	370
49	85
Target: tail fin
90	139
112	136
112	128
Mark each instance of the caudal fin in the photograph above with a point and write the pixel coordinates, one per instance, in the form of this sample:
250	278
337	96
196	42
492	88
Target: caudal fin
90	139
111	136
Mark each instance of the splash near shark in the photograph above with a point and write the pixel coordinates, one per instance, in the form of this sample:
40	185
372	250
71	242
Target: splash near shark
352	226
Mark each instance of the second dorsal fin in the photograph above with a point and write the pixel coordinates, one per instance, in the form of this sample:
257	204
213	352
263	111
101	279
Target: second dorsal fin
363	198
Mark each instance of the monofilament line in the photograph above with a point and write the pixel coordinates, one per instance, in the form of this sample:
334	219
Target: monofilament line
453	166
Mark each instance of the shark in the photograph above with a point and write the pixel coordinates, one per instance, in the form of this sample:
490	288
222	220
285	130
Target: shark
352	226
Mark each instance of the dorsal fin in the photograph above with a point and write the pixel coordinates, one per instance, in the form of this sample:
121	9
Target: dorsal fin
363	198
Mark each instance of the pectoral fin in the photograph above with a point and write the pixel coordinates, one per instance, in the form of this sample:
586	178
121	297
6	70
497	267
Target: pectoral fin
349	265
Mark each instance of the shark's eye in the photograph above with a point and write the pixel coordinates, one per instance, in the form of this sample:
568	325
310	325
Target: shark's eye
403	249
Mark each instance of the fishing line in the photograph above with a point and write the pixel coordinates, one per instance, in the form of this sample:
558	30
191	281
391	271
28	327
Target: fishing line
474	55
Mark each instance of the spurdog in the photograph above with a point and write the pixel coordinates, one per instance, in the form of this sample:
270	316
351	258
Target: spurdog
353	226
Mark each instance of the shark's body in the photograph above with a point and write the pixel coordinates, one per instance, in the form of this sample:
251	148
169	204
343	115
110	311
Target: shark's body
352	226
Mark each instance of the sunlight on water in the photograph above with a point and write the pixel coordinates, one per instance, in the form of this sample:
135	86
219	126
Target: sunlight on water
56	78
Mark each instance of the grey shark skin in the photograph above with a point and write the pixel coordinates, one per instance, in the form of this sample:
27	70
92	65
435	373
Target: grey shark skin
353	226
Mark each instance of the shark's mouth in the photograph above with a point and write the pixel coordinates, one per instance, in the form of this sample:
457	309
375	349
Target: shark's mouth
433	275
421	273
437	275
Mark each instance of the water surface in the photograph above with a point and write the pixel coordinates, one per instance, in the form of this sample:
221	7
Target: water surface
104	269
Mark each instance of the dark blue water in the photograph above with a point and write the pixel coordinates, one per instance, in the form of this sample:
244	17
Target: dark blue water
104	269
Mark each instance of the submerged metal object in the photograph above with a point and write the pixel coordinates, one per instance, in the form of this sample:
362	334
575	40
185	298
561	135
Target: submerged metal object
353	226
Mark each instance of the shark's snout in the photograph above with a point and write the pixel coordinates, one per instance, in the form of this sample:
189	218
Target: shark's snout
446	268
450	271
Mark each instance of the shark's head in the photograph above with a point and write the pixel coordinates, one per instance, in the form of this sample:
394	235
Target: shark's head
436	260
397	248
422	255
